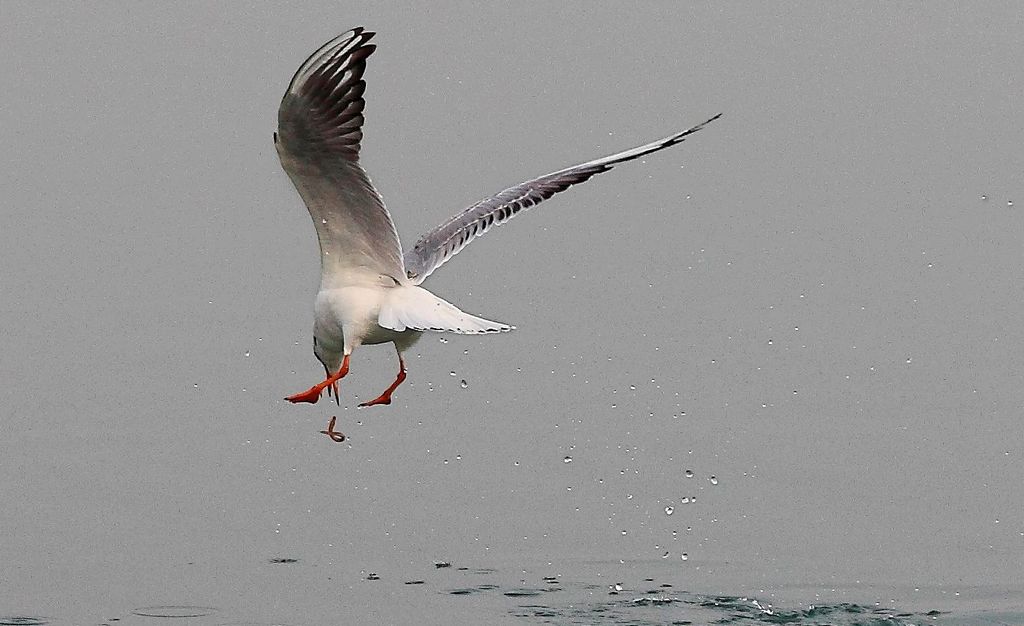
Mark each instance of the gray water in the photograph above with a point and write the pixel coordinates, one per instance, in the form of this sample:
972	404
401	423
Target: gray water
816	301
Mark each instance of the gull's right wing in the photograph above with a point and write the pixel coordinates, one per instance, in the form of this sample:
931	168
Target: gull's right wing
437	246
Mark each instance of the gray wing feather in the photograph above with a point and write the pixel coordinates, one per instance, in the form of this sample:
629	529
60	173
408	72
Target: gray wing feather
437	246
319	132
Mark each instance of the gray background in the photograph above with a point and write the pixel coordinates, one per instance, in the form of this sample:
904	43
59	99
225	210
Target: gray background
817	299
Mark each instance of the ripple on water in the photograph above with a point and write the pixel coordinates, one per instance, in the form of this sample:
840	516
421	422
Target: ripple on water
174	611
525	592
466	591
558	600
661	604
648	610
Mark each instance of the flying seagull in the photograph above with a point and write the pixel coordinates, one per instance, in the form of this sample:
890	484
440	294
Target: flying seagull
370	292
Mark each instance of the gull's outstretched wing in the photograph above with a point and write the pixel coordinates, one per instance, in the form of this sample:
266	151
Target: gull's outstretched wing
439	245
319	127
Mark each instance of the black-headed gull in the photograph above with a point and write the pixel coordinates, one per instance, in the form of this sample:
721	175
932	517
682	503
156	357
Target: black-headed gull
369	291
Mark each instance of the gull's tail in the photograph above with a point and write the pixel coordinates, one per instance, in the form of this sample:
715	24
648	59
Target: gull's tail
414	308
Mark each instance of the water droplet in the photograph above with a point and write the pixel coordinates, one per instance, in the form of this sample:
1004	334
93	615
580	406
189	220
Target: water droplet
684	556
632	387
567	459
463	383
1009	203
984	197
669	510
443	340
196	385
909	359
451	373
689	473
713	480
246	353
623	533
664	556
617	586
685	500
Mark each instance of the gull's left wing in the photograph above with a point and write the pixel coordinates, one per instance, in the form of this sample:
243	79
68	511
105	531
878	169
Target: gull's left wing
319	130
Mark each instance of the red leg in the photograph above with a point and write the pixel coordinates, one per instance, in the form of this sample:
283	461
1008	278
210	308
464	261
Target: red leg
327	375
312	394
332	388
385	398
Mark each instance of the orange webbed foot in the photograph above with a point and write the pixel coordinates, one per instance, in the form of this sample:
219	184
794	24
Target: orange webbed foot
311	395
383	399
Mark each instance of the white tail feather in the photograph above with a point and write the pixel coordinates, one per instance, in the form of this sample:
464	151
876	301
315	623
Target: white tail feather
415	308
